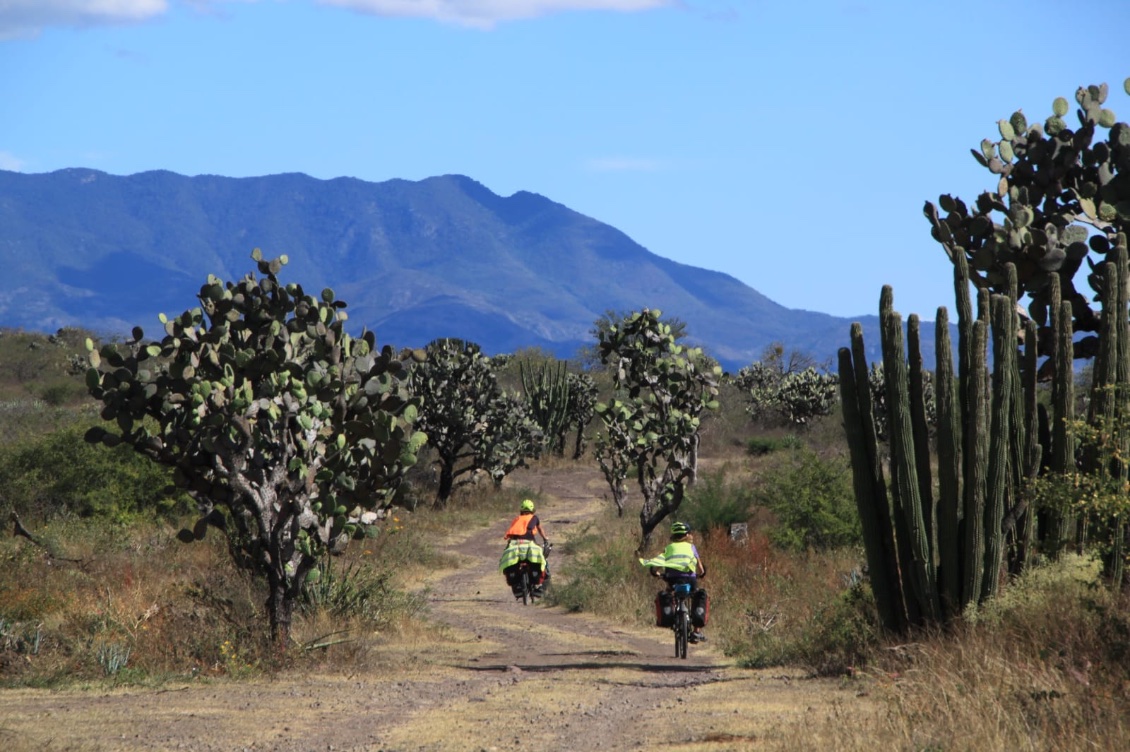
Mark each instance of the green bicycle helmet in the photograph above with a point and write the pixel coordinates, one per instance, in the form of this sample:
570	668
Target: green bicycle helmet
527	505
680	528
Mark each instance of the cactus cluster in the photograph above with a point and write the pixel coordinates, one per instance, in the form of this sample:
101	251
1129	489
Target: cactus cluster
472	424
793	398
581	409
547	394
1062	194
787	387
278	422
1001	457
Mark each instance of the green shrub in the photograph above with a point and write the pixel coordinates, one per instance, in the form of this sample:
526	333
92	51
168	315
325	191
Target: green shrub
813	502
605	577
714	503
353	589
761	445
843	635
62	392
60	473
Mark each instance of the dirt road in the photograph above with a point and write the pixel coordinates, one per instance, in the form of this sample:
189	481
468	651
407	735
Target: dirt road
508	677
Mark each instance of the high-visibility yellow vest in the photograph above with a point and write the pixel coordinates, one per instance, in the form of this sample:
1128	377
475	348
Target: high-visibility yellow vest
678	555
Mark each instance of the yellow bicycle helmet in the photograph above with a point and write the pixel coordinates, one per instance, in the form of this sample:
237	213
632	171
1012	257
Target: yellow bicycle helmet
527	505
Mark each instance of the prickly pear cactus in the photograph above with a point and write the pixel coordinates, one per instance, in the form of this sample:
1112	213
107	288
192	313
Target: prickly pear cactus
471	423
1062	193
275	419
663	390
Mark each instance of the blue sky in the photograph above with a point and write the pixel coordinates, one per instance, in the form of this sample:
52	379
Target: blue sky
789	144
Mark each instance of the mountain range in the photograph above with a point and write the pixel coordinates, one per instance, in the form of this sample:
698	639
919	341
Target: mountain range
414	260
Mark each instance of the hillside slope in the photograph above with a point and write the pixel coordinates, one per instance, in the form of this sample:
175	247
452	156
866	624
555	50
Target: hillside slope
415	260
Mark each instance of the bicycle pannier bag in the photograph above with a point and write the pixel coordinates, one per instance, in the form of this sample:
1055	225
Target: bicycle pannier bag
700	608
664	609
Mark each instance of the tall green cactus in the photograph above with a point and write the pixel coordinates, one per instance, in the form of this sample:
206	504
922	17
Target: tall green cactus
1000	433
878	504
920	428
1060	521
949	470
975	434
547	395
941	569
870	500
904	476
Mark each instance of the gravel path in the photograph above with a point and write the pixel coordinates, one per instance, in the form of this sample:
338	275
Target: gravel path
507	676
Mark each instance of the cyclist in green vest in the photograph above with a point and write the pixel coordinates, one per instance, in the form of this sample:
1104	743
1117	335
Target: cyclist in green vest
680	562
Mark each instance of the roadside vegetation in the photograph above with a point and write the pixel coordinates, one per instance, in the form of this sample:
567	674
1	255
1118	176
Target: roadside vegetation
374	459
106	594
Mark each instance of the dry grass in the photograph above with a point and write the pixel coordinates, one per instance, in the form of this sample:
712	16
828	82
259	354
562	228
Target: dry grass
1044	669
138	606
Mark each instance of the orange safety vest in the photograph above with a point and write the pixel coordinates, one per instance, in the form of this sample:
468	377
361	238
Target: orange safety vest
524	526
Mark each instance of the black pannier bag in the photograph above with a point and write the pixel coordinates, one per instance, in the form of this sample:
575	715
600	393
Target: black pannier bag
664	609
700	608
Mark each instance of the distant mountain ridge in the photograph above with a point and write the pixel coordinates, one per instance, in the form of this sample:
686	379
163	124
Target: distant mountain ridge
414	260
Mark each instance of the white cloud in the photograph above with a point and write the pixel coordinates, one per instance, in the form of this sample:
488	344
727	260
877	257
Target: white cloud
27	18
623	164
484	14
10	162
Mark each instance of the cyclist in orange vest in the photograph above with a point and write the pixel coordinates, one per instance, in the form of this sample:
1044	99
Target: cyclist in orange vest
527	526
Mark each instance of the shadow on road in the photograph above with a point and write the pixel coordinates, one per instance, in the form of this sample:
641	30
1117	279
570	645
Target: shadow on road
647	668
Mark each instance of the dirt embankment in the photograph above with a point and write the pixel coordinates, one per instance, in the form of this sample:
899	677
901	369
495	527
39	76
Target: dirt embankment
509	677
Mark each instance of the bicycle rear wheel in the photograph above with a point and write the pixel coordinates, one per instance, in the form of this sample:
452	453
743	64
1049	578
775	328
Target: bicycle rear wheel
525	587
682	621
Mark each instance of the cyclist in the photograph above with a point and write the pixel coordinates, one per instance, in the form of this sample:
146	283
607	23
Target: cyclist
522	544
680	562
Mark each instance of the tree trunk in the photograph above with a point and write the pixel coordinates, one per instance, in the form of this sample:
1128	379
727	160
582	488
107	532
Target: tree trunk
651	515
280	609
692	460
579	447
446	482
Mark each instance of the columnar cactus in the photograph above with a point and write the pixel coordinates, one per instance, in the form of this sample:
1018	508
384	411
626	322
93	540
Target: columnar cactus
1000	436
923	575
547	395
949	470
908	503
